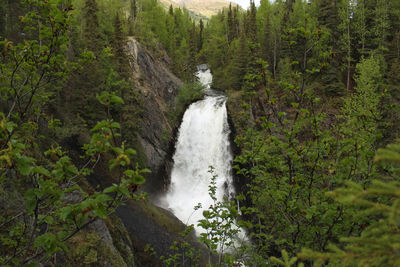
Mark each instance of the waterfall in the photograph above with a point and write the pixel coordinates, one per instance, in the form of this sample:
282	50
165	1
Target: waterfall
203	141
204	75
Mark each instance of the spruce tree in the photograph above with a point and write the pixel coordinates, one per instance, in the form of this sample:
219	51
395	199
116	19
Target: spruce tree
362	27
252	24
193	44
118	45
381	25
345	38
252	38
236	23
201	37
231	25
91	34
238	67
266	43
89	81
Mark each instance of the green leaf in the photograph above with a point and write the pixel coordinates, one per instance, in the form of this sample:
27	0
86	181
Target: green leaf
116	99
138	179
115	125
41	170
65	212
10	126
48	242
24	165
111	189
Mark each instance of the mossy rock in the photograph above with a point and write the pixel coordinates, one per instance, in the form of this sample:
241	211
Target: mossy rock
153	230
87	249
121	239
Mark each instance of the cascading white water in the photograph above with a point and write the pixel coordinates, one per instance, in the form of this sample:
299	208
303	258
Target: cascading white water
203	141
205	77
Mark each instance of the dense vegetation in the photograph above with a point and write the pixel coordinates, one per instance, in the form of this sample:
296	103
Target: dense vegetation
313	96
316	82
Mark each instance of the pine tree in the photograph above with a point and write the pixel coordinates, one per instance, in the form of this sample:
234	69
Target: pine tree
118	45
328	15
236	23
345	39
201	32
381	25
362	27
252	24
91	34
193	41
90	80
238	67
252	38
231	25
266	43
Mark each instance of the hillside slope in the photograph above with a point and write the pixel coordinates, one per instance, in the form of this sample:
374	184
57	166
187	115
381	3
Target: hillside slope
206	8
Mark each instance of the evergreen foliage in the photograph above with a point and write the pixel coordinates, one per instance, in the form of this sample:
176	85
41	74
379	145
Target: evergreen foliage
313	92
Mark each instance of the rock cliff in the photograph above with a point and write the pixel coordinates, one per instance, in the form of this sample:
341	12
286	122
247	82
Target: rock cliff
152	229
158	87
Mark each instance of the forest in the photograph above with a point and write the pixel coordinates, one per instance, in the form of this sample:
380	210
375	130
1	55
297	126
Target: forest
313	103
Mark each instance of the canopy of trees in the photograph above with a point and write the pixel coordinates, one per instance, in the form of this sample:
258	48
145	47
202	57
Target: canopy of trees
313	92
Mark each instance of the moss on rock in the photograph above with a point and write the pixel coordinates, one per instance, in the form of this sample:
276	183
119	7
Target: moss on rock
87	249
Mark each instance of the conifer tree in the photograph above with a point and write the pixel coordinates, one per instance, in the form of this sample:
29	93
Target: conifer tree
118	45
201	36
91	34
252	38
231	24
381	25
89	81
238	67
193	42
361	27
236	23
266	43
345	39
252	23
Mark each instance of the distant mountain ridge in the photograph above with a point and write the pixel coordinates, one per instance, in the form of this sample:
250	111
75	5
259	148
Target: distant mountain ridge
205	8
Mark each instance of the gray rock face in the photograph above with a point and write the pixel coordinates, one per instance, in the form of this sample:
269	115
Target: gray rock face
158	87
